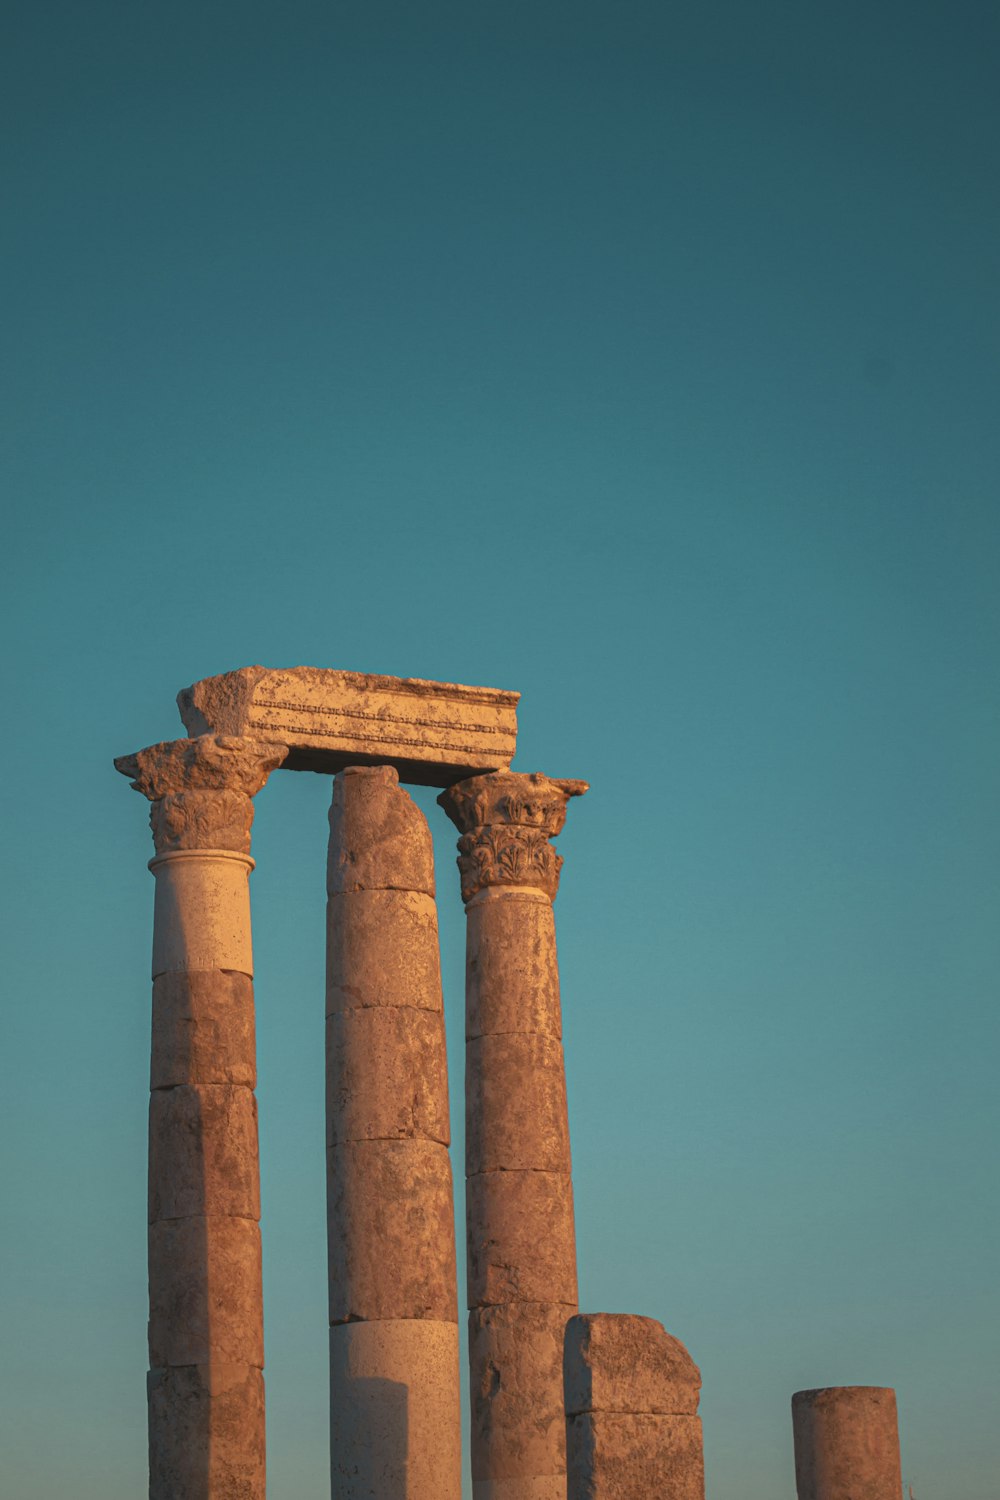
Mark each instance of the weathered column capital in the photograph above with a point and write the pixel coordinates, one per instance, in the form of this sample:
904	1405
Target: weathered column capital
506	819
202	789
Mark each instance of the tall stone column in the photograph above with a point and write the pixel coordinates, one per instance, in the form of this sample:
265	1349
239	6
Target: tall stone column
395	1423
521	1240
206	1332
846	1443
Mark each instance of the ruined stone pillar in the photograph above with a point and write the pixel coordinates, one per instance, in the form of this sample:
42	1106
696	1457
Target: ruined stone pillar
846	1443
521	1241
206	1333
395	1423
632	1429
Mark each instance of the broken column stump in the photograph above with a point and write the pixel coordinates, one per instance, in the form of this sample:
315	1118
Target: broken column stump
395	1425
846	1443
632	1429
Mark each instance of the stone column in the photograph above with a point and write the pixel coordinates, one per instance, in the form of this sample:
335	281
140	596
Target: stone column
395	1423
632	1430
206	1336
846	1443
521	1242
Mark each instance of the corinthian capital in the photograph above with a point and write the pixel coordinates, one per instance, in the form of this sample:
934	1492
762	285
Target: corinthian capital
202	789
506	819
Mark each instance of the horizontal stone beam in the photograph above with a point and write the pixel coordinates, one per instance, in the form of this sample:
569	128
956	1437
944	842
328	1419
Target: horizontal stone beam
434	733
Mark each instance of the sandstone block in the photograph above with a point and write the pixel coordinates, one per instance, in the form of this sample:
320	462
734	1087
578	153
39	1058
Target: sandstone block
203	1152
395	1424
846	1443
386	1075
515	1362
201	914
434	733
617	1362
617	1456
512	971
205	1299
521	1238
391	1231
206	1432
547	1487
379	838
382	949
515	1104
203	1029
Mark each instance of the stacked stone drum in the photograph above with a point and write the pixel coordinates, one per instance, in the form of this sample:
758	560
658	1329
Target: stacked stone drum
394	1395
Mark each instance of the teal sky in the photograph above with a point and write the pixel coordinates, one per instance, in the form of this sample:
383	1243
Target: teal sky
640	357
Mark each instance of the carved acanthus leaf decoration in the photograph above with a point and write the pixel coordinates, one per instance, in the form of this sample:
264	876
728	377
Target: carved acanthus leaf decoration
202	789
506	819
507	855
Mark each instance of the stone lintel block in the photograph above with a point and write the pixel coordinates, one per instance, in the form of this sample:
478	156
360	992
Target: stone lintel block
203	1029
515	1104
512	970
521	1238
201	911
515	1363
391	1231
382	949
386	1075
434	733
618	1362
206	1432
618	1456
379	838
395	1422
847	1443
205	1299
203	1152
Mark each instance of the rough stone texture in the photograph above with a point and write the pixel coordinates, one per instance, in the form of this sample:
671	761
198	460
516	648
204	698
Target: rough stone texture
203	1028
203	1152
391	1231
394	1428
201	789
511	797
432	732
379	839
511	967
205	1292
206	1432
518	1425
846	1443
506	820
541	1487
621	1456
618	1362
386	1075
382	949
521	1239
206	1340
519	1197
201	912
515	1105
395	1413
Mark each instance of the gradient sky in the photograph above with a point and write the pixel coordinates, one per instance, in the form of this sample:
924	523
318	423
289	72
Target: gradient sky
640	357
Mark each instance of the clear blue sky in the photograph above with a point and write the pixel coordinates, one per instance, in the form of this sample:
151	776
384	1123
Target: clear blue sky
640	357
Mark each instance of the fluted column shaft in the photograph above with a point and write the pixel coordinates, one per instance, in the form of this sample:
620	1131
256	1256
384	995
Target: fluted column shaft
395	1424
206	1334
519	1205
